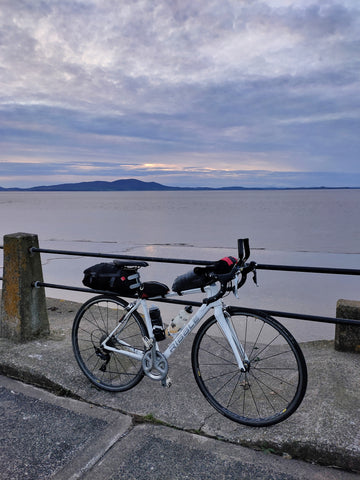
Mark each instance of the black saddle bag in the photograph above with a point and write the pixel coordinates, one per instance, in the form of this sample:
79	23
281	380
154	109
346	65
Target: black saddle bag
113	278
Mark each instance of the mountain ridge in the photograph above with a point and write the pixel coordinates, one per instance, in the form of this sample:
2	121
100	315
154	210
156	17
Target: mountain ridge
134	185
121	185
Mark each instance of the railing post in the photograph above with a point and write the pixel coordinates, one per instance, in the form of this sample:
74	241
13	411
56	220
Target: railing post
347	337
23	307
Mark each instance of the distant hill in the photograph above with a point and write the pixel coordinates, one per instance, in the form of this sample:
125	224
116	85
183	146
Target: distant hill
133	185
97	186
130	185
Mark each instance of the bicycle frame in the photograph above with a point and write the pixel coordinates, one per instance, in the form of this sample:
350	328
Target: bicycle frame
218	306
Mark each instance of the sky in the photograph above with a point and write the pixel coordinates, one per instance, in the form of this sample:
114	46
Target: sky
252	93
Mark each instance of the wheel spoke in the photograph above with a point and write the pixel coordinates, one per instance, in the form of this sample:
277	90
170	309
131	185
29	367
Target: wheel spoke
94	323
274	381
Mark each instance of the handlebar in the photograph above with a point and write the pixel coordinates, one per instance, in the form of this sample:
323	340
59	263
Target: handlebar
224	280
223	271
243	250
251	267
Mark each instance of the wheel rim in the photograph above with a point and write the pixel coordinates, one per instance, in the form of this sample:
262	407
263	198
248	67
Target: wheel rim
273	383
106	369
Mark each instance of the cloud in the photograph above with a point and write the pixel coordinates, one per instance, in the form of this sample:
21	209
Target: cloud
142	47
137	82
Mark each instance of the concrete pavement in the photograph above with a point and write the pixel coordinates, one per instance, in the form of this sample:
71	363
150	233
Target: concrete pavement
45	436
109	437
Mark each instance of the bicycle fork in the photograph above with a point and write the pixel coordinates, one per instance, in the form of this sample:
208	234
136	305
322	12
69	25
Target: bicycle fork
224	320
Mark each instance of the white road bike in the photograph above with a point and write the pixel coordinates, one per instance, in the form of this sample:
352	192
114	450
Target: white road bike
247	365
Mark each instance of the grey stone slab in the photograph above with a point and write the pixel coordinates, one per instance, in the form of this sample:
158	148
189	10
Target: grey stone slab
42	435
151	452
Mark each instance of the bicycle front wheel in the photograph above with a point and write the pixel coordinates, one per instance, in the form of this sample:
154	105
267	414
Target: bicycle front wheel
96	319
273	382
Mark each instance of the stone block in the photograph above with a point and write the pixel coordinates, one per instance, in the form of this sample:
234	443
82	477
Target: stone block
23	307
347	337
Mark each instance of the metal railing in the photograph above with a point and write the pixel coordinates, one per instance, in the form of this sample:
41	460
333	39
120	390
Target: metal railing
275	313
260	266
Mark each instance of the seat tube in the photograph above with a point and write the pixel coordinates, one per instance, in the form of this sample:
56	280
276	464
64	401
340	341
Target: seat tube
229	335
147	317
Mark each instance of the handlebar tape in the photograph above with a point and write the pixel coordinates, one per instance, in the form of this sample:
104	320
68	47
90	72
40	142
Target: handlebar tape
225	265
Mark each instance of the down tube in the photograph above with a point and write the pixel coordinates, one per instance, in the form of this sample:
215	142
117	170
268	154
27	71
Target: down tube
189	326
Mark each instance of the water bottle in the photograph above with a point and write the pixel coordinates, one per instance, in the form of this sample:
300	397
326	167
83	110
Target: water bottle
157	323
179	321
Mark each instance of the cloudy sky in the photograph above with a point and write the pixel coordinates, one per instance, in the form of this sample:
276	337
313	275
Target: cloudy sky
183	92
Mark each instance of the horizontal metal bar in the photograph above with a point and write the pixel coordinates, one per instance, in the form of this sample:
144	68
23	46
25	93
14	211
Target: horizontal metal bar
122	257
259	266
293	268
304	316
66	287
104	292
274	313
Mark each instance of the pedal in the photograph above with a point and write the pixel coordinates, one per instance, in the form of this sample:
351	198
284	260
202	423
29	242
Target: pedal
166	382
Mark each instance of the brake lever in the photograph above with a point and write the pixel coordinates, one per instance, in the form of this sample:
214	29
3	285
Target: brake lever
255	277
235	289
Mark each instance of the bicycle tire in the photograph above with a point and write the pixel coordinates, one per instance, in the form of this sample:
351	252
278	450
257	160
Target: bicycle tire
93	322
274	383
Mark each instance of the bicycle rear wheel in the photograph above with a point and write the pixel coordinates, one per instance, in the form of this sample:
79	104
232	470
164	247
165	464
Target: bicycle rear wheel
275	378
93	323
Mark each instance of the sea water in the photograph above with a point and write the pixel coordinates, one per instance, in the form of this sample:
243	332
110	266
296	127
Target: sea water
287	227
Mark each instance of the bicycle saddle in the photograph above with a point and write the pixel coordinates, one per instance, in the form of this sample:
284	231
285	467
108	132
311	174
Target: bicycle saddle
130	263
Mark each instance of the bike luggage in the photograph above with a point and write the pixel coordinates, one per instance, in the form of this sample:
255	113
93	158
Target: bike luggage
188	281
199	277
153	289
113	278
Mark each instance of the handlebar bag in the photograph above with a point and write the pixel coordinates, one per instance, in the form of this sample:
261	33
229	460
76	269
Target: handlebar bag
199	276
190	280
113	278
